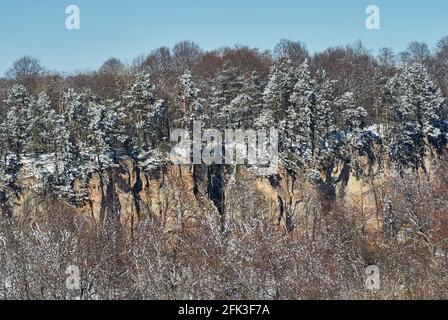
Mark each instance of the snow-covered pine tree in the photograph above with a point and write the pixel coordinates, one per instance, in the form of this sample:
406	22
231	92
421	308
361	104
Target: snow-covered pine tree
353	121
41	126
75	116
277	95
242	111
117	133
16	122
3	141
237	112
4	154
353	116
299	127
188	101
71	140
13	136
66	160
426	99
404	138
146	118
226	87
324	151
253	106
97	152
415	111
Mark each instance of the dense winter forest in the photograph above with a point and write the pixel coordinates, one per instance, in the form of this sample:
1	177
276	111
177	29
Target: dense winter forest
345	114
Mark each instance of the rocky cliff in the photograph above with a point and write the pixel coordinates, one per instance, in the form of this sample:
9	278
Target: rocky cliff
180	195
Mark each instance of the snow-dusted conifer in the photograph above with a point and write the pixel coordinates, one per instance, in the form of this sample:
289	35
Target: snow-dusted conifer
277	95
226	87
117	132
324	122
415	114
357	141
300	117
98	150
146	118
353	116
66	161
423	96
75	114
191	106
16	122
253	89
41	126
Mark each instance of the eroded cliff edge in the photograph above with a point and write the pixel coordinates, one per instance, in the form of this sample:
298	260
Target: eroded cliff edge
179	196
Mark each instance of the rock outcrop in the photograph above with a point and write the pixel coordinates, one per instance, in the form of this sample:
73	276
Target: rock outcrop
180	195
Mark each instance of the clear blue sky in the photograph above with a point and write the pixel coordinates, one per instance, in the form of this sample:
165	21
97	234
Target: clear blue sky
127	28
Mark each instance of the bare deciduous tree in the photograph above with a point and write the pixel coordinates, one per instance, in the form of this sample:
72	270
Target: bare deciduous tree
294	50
25	68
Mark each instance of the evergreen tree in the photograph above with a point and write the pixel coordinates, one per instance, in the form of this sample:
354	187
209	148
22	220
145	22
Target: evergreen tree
3	144
4	155
76	118
324	123
146	117
242	111
227	86
278	92
238	112
190	105
66	160
357	141
41	126
415	109
117	133
423	96
98	151
353	117
253	89
16	122
299	127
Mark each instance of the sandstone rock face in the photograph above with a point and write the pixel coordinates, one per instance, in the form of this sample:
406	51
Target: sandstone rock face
179	196
130	195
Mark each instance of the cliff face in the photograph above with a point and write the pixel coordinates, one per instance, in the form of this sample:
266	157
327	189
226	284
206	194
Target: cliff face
180	195
129	195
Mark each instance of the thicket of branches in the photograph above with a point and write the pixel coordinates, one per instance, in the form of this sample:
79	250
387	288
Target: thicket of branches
251	260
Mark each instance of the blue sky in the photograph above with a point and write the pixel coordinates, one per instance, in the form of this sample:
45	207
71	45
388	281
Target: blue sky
127	28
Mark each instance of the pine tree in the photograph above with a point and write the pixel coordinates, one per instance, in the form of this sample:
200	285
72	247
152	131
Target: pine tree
117	133
299	130
425	97
357	141
243	110
227	86
16	122
98	151
4	146
71	141
238	112
76	118
353	116
277	95
146	117
4	155
66	160
415	109
253	89
41	126
324	151
188	101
